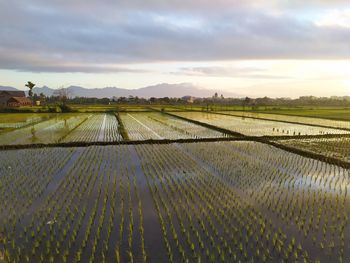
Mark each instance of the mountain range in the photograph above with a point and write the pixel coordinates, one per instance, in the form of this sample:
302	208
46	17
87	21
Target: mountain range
158	91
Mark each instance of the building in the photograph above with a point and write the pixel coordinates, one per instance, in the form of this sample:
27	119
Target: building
18	101
10	98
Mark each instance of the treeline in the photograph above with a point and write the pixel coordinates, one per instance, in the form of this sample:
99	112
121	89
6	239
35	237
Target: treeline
266	101
115	100
217	100
301	101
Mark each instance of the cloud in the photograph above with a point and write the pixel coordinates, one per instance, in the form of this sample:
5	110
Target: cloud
335	18
85	36
229	72
34	63
82	6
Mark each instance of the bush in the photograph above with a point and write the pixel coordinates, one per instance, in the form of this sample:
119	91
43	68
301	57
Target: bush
65	108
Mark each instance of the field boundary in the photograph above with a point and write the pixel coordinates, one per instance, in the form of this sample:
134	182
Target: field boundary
130	142
121	129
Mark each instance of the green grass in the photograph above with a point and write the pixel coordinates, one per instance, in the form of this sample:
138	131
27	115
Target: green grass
19	117
337	113
106	108
92	107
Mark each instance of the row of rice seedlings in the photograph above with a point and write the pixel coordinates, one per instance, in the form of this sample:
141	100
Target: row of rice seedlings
52	221
54	133
151	125
237	202
21	187
184	128
94	129
336	147
67	226
171	128
283	184
136	129
214	245
88	131
111	133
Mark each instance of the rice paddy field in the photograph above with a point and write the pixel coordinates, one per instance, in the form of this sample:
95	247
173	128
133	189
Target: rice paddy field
70	127
147	196
141	126
289	118
9	120
335	147
256	127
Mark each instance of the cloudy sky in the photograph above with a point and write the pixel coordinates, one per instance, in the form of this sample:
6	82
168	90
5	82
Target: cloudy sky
255	48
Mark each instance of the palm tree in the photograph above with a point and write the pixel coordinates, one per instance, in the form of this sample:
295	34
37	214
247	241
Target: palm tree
30	85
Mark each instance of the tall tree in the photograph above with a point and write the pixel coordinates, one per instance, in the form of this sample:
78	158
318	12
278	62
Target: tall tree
30	85
62	94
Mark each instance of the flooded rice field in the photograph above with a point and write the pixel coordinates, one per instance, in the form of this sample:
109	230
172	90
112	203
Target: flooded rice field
190	202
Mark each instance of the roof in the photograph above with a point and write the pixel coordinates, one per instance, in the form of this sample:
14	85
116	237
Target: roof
20	100
12	93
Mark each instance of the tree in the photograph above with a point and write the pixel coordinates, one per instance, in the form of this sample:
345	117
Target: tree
62	94
42	98
246	102
122	99
35	98
30	85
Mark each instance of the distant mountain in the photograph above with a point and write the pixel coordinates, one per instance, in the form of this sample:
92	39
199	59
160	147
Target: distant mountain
175	90
7	88
44	89
158	91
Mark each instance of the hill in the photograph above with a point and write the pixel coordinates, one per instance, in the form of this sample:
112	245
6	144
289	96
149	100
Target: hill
160	90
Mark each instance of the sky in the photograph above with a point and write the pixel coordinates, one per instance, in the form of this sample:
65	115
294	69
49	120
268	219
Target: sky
250	48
